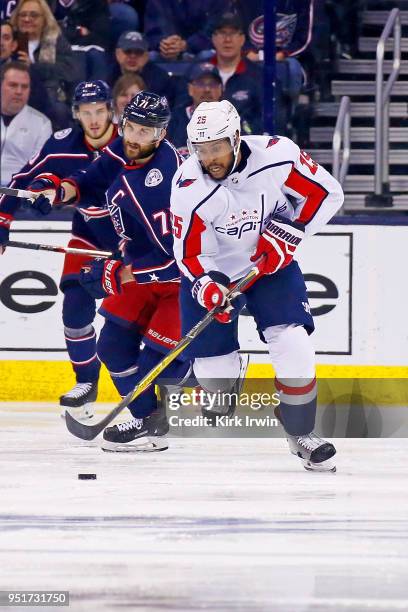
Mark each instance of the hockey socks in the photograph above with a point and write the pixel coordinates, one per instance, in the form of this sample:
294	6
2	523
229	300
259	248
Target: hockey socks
81	346
119	349
146	403
78	312
297	408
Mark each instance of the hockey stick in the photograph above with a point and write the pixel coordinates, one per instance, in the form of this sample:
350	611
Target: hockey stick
89	432
57	249
19	193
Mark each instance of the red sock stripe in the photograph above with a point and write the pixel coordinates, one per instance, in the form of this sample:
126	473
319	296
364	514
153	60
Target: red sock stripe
295	390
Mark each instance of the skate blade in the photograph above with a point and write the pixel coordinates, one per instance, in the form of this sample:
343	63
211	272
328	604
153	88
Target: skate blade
144	445
83	414
325	466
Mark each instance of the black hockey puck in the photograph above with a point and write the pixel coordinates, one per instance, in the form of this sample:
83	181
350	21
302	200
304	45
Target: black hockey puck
86	476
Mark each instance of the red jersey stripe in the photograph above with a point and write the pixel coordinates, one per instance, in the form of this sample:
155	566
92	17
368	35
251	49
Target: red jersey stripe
314	193
192	246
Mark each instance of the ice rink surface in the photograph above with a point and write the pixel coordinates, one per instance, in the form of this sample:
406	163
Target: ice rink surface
210	524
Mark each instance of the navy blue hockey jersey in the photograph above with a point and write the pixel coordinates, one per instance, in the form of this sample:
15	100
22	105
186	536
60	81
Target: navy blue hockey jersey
64	153
139	203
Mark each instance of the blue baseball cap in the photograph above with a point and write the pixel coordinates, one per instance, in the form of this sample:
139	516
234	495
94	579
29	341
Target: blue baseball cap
204	69
132	40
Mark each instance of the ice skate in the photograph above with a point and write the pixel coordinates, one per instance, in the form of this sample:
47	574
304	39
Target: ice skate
228	408
79	401
314	452
137	435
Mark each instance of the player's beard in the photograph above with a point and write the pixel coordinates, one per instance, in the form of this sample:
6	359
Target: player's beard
138	151
101	133
218	176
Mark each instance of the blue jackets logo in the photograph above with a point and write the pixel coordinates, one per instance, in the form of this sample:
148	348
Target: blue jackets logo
62	133
116	216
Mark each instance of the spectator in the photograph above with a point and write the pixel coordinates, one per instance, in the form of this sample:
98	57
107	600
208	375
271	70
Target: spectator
133	58
8	43
125	88
23	129
85	24
49	52
205	85
175	27
10	52
123	18
242	79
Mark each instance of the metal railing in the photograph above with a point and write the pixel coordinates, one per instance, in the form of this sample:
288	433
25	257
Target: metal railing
382	97
342	135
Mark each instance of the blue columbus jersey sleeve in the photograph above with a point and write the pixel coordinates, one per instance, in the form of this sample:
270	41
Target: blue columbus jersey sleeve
139	203
64	153
93	182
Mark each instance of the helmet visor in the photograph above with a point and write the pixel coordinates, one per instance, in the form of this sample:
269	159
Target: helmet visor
143	134
211	150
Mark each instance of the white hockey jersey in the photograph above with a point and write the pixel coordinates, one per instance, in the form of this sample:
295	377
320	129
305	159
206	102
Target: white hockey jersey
216	224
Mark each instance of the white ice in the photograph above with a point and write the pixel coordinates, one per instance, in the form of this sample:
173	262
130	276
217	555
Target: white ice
218	524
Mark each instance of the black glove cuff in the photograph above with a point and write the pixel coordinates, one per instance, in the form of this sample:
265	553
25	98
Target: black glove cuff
296	224
219	277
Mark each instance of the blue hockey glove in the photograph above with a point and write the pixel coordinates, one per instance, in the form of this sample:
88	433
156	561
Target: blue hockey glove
48	186
101	277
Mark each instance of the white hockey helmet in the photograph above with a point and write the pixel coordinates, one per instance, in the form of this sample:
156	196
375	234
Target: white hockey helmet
214	121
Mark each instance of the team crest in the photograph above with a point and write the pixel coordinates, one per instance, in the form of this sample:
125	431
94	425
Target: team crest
256	32
285	28
153	178
116	218
62	133
184	182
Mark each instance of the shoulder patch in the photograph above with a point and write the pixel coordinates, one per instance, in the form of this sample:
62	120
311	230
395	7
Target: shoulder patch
184	182
272	141
153	178
62	133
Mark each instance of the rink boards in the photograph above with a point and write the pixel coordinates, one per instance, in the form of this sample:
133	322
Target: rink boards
355	287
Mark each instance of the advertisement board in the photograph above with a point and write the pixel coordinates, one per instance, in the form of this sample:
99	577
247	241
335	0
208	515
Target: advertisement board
352	274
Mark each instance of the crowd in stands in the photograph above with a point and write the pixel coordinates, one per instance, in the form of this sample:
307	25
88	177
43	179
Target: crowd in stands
189	51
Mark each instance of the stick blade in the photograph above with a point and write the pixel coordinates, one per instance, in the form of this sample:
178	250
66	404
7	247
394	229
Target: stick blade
81	430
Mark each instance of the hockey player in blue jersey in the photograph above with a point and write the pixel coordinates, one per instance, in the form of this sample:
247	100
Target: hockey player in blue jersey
65	152
141	291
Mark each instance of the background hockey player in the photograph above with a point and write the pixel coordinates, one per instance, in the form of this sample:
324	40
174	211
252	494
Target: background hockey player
142	291
236	202
65	152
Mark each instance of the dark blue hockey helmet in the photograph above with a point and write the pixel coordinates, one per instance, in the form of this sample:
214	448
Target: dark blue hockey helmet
88	92
146	108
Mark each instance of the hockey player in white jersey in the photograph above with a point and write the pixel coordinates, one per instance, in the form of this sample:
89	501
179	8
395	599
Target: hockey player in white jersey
239	201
